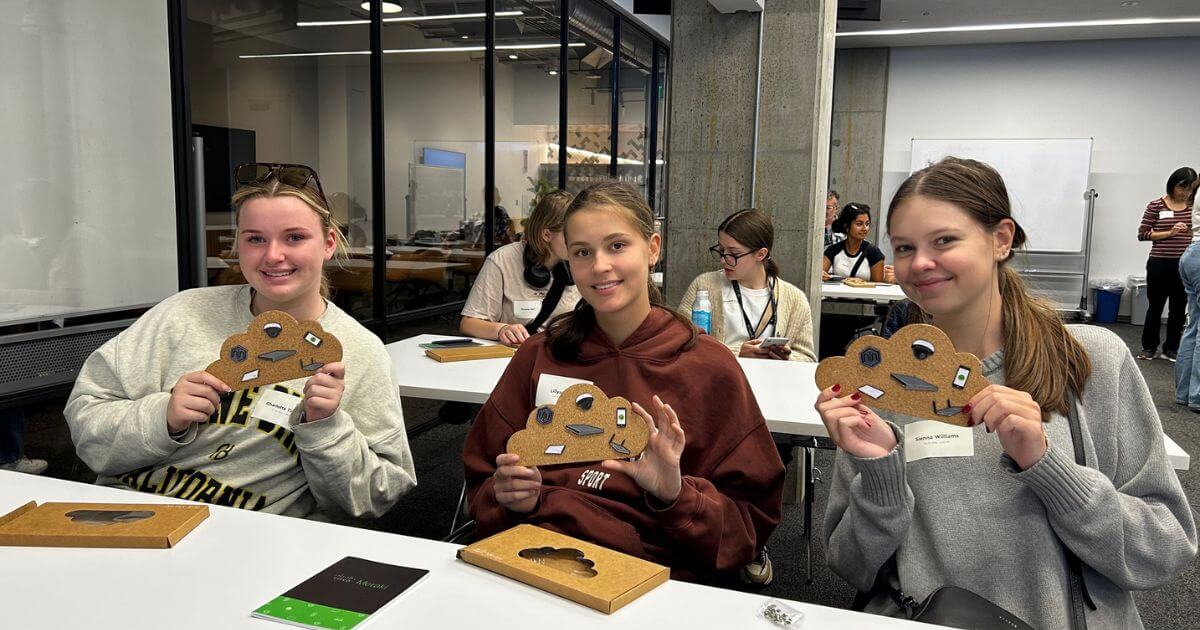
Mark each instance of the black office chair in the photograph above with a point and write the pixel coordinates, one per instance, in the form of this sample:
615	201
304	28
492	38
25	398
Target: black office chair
464	533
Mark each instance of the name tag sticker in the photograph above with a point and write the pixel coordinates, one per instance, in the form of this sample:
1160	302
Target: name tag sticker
526	310
551	386
1166	214
930	438
274	406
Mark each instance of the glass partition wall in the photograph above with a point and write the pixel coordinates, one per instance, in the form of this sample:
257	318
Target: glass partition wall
291	81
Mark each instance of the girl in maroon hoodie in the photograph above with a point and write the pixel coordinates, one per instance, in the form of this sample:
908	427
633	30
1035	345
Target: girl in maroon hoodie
706	493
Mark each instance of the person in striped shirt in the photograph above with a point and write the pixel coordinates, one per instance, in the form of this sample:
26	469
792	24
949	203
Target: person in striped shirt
1168	223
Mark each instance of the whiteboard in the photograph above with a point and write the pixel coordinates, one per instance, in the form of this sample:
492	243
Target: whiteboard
437	196
1046	179
87	192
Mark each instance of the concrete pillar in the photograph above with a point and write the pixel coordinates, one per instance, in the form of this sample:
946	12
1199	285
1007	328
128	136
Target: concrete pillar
715	166
860	81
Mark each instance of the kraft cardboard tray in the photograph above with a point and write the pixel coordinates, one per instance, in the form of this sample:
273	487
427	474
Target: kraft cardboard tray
133	525
589	574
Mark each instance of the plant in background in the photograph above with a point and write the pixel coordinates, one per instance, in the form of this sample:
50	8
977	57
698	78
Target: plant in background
538	187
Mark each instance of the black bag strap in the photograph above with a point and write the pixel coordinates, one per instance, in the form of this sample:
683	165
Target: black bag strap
1079	592
561	278
862	257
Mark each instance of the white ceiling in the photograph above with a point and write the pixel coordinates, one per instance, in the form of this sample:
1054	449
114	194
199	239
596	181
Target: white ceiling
908	14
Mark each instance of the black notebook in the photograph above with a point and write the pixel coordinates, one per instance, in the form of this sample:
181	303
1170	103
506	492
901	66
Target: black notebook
342	596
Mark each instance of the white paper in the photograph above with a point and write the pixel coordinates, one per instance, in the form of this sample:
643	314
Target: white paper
1166	214
526	310
551	386
274	406
930	438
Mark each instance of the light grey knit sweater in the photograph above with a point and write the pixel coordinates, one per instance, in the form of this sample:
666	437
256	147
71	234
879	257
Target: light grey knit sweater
981	524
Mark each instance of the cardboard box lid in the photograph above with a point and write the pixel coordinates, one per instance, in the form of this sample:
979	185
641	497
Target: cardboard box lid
142	525
447	355
592	575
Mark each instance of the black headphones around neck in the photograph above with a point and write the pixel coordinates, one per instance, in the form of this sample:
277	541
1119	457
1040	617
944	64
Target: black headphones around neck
536	274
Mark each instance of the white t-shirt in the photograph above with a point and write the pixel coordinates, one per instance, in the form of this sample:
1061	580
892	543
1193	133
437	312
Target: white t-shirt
500	293
755	302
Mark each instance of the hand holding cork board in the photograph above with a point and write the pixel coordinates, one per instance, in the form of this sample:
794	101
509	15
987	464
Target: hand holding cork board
917	372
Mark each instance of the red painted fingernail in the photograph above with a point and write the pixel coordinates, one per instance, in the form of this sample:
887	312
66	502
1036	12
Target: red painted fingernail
966	408
856	396
837	388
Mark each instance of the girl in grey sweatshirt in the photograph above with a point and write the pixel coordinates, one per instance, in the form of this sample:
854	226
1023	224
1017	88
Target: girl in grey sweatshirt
999	521
145	415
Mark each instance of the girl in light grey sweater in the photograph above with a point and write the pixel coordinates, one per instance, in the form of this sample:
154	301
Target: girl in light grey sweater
145	415
998	521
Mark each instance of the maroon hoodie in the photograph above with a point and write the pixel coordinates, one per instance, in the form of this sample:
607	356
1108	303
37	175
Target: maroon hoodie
730	501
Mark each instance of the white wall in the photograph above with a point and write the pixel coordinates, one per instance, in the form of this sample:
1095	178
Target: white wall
1136	98
87	192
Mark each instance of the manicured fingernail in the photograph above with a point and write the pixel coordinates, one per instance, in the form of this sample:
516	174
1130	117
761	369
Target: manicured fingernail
966	408
856	396
837	388
989	429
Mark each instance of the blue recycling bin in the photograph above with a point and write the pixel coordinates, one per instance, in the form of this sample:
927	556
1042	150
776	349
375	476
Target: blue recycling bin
1108	302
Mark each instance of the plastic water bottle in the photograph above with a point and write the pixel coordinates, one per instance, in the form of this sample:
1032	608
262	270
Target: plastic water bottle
702	311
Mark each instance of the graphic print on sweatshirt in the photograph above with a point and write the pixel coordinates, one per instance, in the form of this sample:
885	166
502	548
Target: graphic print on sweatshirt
236	459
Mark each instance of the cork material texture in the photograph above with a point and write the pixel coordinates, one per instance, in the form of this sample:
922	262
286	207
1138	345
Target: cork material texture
917	373
583	426
275	348
859	283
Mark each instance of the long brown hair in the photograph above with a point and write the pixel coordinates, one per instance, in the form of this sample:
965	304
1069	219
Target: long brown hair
752	227
312	198
566	332
1036	342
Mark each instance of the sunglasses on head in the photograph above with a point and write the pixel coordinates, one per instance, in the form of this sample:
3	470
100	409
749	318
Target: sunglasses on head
294	175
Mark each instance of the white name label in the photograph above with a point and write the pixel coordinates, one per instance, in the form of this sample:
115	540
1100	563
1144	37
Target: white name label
526	310
274	406
1166	214
551	386
930	438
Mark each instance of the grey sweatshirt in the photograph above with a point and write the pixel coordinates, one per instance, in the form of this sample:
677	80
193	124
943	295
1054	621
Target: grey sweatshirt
356	461
982	524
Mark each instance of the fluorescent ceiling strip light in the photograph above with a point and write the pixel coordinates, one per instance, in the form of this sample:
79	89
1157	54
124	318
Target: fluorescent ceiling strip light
413	18
446	49
1017	27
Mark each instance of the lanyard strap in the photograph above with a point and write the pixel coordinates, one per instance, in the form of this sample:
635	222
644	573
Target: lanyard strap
772	306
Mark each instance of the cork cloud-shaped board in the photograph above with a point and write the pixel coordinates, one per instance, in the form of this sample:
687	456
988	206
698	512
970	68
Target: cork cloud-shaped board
274	348
583	426
917	372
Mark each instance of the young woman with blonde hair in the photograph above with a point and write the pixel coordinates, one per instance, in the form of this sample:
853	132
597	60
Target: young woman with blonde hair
1011	514
707	490
146	415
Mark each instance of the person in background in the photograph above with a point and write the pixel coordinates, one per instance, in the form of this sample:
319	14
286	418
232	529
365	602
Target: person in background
1187	368
1167	222
145	415
755	303
1005	514
12	445
854	257
831	210
707	491
522	285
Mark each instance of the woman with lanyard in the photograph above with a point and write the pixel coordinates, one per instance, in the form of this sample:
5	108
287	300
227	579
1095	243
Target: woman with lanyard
756	304
523	284
1167	222
854	257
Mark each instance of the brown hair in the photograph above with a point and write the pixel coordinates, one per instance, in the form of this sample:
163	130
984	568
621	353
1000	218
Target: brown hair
549	214
1036	343
752	228
566	332
274	188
